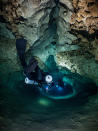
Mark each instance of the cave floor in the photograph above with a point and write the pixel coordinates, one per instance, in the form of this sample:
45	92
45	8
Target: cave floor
24	109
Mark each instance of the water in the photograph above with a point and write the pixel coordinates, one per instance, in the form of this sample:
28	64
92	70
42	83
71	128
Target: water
23	108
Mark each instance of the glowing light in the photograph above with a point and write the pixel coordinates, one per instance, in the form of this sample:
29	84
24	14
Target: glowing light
60	88
48	78
46	87
44	102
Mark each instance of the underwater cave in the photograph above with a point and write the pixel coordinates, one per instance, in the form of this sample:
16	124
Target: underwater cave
48	65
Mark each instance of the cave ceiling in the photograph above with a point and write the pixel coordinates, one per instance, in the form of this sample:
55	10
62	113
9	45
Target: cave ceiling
84	12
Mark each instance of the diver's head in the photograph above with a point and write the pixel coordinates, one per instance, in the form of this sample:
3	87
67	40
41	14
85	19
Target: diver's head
48	79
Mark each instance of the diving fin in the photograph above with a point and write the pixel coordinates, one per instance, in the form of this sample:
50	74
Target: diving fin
21	47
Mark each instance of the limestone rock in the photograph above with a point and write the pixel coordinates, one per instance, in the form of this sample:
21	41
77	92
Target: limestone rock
8	56
26	18
77	62
63	26
95	49
85	16
67	3
4	32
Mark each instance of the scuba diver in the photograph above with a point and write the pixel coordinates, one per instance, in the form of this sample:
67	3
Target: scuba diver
48	83
34	75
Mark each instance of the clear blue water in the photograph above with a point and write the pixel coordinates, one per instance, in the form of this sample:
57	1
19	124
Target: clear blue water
24	108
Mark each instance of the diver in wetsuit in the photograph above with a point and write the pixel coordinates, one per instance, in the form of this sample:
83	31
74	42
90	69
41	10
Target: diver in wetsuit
34	75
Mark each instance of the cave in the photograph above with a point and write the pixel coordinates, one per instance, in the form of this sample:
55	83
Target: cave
48	65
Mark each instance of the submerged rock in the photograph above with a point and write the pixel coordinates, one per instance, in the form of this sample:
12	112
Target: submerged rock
79	63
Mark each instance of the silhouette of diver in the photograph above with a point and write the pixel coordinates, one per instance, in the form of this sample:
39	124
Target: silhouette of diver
34	75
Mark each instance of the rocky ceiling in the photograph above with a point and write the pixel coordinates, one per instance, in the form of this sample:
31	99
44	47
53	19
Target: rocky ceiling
85	16
19	14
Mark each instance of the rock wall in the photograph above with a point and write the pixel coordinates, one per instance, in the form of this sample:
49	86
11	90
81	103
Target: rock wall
52	27
28	18
79	62
63	31
85	16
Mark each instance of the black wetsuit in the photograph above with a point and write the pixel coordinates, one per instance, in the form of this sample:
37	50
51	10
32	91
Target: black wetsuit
31	70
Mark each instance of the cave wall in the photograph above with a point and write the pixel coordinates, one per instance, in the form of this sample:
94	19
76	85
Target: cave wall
28	18
85	16
66	29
